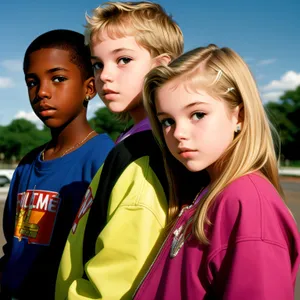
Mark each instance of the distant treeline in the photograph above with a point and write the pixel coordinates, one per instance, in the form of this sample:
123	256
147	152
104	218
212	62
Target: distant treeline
21	135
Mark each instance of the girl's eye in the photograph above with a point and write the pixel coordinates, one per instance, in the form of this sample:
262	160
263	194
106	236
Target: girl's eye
198	115
97	66
59	79
167	122
30	84
124	60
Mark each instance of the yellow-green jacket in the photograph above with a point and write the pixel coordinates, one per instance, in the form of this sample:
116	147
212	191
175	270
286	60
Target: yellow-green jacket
115	234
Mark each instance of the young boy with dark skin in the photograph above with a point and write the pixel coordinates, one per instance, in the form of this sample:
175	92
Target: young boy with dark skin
50	181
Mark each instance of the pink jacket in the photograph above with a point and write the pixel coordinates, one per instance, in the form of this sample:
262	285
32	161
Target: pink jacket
253	252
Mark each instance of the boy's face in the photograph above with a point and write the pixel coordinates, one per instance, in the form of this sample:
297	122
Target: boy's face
55	87
120	66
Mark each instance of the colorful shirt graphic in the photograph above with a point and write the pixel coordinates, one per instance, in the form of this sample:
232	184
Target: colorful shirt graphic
36	215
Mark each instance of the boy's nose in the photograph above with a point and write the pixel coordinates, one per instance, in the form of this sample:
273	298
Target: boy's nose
106	75
44	91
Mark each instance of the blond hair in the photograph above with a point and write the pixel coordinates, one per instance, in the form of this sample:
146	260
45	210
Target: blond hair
148	22
223	74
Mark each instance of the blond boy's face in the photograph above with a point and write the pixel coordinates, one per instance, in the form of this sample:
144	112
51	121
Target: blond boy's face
120	66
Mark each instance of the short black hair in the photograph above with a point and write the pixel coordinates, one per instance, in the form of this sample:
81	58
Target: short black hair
63	39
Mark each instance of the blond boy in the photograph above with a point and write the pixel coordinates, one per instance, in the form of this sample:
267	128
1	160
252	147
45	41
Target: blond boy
112	242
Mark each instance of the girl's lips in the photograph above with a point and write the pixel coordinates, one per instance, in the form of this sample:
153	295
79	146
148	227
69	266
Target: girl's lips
187	153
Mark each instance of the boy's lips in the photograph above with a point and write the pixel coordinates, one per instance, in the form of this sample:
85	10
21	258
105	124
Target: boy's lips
109	94
46	110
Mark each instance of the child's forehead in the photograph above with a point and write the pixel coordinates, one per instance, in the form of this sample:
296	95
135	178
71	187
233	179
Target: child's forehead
105	43
50	57
51	53
105	35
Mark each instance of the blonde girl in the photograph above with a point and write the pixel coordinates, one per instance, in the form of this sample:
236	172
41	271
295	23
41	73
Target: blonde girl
238	240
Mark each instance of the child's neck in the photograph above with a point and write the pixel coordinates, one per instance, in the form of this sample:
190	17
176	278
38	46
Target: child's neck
70	135
138	114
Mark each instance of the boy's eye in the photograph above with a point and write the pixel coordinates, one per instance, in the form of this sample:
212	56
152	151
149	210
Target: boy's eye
31	83
59	79
124	60
198	115
97	66
167	122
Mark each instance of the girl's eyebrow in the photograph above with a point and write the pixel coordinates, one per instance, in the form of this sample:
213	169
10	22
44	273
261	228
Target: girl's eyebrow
196	103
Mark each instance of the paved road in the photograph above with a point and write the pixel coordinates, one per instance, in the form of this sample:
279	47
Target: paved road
291	187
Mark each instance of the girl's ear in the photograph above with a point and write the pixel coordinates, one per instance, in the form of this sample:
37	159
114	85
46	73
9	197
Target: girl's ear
238	116
163	59
90	89
241	113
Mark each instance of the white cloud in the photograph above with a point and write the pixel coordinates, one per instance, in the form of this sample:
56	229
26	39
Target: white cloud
276	88
271	96
6	82
30	116
265	62
289	81
13	65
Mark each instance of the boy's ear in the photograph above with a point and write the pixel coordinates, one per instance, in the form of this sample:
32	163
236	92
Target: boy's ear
90	88
163	59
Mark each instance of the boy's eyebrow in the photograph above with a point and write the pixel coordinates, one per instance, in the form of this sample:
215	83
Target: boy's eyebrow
48	71
57	69
122	49
113	51
187	106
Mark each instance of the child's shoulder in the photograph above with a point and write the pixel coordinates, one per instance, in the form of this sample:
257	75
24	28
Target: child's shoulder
31	156
250	197
251	207
251	185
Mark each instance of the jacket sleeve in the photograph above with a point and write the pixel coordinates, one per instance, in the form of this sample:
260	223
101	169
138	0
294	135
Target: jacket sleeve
254	269
126	246
123	247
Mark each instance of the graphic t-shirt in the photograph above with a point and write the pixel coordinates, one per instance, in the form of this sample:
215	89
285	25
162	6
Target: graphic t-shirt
42	203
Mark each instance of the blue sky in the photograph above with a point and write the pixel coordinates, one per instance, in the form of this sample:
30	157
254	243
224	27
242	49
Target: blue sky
265	33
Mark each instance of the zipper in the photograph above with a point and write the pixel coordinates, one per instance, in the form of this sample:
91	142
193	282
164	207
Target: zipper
162	246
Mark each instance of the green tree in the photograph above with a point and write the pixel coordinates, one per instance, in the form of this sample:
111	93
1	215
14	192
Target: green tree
20	137
106	121
285	115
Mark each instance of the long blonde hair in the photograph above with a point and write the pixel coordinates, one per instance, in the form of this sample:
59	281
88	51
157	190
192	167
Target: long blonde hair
223	74
148	22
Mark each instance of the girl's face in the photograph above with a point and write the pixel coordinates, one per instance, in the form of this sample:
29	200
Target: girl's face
197	127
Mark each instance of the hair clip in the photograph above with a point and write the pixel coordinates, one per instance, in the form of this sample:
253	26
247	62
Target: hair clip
229	90
219	75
